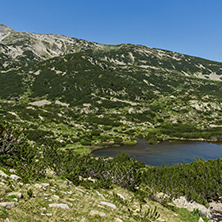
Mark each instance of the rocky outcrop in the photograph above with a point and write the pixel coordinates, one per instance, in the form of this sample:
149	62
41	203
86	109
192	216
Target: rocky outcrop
182	202
9	205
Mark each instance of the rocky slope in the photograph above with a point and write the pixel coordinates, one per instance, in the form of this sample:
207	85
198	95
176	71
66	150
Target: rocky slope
55	199
19	48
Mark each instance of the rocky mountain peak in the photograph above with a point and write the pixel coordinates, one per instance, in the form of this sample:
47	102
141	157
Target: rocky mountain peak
4	28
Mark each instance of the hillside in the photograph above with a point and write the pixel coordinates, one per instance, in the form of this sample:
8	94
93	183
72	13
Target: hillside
126	89
69	96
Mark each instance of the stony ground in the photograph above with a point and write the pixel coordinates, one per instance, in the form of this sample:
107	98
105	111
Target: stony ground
57	199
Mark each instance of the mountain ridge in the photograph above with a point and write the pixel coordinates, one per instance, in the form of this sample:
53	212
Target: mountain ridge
24	47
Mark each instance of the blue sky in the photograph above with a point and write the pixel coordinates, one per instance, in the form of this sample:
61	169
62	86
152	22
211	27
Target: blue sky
192	27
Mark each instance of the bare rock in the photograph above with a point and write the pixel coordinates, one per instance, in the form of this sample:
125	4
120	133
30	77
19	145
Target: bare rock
160	197
38	186
108	204
99	194
20	184
9	205
97	213
118	220
16	194
45	184
190	206
2	174
63	206
92	180
56	197
214	206
15	177
121	196
201	220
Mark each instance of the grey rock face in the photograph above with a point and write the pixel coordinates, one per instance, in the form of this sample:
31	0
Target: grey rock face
4	28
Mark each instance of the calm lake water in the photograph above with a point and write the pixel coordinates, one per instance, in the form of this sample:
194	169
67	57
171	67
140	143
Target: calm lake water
166	152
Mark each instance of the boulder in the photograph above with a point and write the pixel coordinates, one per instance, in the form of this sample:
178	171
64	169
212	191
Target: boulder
190	206
159	197
38	186
201	220
63	206
97	213
2	174
118	220
92	180
98	193
214	206
9	205
45	184
121	196
108	204
16	194
55	197
20	184
15	177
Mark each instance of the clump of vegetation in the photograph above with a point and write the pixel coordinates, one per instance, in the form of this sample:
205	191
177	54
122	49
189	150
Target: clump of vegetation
15	151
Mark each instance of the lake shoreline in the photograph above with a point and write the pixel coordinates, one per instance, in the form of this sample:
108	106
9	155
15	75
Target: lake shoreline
171	139
170	151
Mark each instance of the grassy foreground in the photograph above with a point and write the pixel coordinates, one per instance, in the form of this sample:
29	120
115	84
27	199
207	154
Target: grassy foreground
79	203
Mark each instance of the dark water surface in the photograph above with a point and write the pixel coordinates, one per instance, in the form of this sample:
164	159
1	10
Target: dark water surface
166	152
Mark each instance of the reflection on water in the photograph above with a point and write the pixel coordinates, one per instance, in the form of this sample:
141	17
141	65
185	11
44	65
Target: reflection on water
166	152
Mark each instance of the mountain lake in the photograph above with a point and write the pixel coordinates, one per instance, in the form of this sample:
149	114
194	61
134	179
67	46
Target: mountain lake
168	152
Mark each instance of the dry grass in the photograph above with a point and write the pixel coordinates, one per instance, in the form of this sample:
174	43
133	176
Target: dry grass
81	202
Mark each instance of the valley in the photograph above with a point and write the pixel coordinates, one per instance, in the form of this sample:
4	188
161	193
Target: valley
68	96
